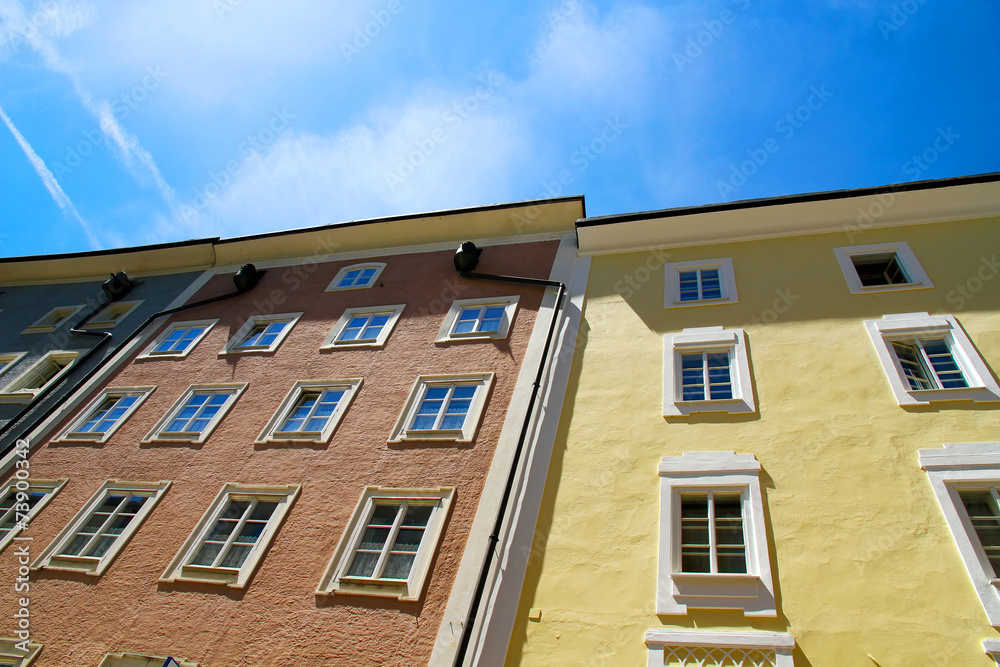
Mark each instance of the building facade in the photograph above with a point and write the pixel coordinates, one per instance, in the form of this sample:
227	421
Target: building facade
310	468
781	442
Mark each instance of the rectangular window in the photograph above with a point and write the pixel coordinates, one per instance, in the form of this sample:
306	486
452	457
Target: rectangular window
387	547
46	370
100	530
196	414
106	414
704	282
18	652
311	411
478	319
706	369
881	267
262	333
19	506
356	276
706	375
232	537
178	339
981	506
9	360
712	533
53	319
928	363
111	315
363	327
143	660
443	408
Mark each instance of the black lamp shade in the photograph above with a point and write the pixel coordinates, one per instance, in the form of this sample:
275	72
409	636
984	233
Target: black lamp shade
246	277
116	286
467	256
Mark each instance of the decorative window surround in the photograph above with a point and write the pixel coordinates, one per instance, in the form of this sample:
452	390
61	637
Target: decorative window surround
308	406
385	543
178	339
141	660
192	408
363	327
53	319
712	340
992	648
19	507
46	370
907	328
105	414
698	648
433	398
701	283
902	272
725	471
478	319
11	655
260	333
251	512
111	315
102	528
9	359
958	467
356	276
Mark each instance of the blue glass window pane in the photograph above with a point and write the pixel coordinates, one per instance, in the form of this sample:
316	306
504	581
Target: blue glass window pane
423	423
689	285
710	287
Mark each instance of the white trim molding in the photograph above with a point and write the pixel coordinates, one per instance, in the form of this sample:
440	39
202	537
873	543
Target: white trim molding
215	411
426	509
141	660
170	347
723	472
992	648
16	390
92	551
10	360
21	511
439	399
952	469
694	648
903	270
107	407
908	330
248	338
724	283
223	556
480	327
364	276
297	407
112	315
13	655
363	327
736	390
53	319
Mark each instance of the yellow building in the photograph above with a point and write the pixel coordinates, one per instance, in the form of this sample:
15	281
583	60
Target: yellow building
781	439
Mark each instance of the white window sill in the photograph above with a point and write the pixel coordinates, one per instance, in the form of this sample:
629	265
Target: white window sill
19	397
976	394
730	405
450	435
721	585
399	590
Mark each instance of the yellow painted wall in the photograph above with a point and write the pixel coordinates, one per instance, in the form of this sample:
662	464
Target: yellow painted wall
863	558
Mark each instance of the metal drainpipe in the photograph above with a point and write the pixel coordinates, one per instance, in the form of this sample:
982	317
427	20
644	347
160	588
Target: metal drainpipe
494	538
93	371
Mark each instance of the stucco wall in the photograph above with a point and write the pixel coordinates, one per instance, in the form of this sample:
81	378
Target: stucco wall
864	560
277	619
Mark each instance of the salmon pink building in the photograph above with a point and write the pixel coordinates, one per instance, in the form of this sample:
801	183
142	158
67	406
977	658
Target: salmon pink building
317	459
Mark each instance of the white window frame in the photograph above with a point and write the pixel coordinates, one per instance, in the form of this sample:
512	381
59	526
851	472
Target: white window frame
50	487
10	360
992	648
724	471
707	339
158	435
232	347
179	570
661	643
378	266
960	466
67	314
149	353
140	660
271	434
905	258
112	314
727	282
50	558
334	582
9	650
394	311
13	394
71	434
907	326
472	417
447	333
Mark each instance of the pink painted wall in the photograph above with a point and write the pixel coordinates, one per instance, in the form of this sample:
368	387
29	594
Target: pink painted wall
277	619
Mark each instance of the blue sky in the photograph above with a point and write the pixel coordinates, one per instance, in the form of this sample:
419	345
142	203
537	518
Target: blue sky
127	123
